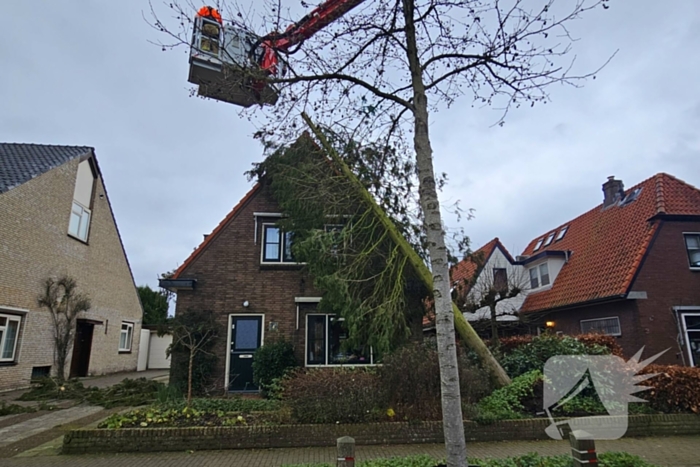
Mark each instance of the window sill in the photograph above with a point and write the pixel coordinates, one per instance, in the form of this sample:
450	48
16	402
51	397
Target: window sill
344	365
540	289
8	363
695	268
77	238
124	351
282	265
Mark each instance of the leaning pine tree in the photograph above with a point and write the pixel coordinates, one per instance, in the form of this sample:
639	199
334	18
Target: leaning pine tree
381	69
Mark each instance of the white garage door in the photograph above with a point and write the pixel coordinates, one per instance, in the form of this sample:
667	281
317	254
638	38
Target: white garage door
156	352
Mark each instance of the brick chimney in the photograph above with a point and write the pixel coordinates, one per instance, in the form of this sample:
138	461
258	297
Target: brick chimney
613	191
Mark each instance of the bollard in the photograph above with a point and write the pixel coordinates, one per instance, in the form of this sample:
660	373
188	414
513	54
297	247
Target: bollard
582	450
346	451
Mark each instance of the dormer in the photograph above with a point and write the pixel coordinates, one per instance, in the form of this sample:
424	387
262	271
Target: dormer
543	268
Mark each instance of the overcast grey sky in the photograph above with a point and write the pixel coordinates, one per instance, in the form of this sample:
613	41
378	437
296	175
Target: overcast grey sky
83	73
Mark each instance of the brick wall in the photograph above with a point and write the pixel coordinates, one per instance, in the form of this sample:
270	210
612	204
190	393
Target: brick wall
229	272
260	437
35	245
666	278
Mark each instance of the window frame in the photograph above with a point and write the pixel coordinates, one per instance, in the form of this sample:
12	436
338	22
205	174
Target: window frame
130	336
549	239
561	233
538	271
682	314
327	343
538	245
281	243
10	318
688	250
617	318
83	211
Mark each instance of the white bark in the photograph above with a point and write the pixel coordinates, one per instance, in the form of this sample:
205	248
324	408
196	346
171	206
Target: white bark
453	425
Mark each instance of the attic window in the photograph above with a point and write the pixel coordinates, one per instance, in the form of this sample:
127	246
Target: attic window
562	232
550	237
631	197
539	244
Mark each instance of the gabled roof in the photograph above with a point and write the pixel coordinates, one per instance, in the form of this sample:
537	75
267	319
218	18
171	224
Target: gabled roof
20	163
215	233
606	246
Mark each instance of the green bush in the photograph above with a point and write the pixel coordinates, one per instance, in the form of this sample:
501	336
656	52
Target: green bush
13	409
411	378
336	395
533	355
510	402
272	361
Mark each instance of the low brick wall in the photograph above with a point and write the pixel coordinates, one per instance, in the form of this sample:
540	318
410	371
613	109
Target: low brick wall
248	437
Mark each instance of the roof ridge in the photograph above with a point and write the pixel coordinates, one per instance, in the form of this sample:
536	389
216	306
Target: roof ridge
659	188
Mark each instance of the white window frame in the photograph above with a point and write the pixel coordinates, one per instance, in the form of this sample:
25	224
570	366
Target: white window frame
130	336
327	344
548	240
682	313
282	244
538	244
3	339
687	250
84	215
617	318
539	276
562	232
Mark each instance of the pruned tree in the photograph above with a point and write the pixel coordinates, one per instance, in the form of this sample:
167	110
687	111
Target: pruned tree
61	297
379	71
493	286
193	333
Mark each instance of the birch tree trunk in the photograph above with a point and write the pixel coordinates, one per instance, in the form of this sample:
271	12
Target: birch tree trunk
453	425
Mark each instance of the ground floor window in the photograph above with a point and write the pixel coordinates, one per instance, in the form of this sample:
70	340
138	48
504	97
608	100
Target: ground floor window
126	336
9	335
691	329
325	339
608	326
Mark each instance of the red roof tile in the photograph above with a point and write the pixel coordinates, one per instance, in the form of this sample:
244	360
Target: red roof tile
607	245
209	238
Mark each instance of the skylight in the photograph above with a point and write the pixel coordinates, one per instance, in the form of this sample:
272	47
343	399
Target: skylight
562	232
539	244
550	237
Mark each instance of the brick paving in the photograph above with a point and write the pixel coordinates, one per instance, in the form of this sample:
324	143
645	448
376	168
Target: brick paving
15	432
671	452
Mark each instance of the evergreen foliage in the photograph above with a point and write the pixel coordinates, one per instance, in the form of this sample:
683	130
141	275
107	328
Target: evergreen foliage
155	305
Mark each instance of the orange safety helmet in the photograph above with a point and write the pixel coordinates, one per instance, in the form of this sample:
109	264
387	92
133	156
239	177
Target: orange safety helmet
209	12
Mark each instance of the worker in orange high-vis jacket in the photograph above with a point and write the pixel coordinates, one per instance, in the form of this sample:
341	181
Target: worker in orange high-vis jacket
209	12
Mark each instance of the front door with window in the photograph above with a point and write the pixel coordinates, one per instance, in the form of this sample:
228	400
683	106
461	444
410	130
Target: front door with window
246	337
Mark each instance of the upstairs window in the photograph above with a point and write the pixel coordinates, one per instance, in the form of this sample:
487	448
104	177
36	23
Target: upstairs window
126	336
692	245
79	224
9	333
562	232
539	244
550	237
539	276
500	279
277	245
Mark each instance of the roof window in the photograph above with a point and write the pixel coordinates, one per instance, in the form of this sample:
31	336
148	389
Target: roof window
550	237
634	194
562	232
539	244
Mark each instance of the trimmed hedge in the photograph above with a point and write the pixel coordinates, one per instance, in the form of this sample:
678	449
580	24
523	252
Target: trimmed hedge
674	388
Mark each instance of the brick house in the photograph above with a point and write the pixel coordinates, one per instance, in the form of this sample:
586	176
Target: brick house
244	273
629	267
56	219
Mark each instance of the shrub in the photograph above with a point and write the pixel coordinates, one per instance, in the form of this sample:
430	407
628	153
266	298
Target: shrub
508	344
513	400
674	388
532	355
411	378
336	395
272	361
13	409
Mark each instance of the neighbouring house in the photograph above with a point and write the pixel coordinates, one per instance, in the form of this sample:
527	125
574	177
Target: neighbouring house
56	219
630	268
153	349
490	274
244	272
